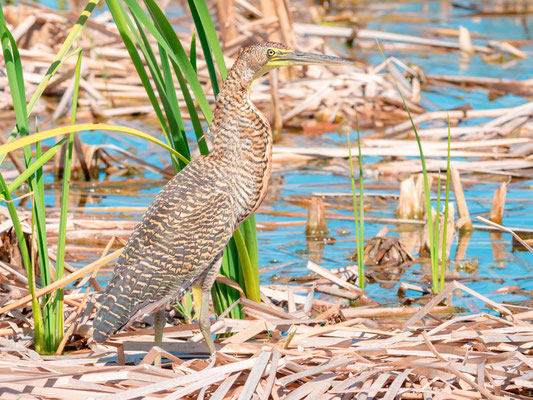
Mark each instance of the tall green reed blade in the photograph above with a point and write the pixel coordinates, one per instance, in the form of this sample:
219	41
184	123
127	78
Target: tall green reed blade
191	107
361	233
206	46
179	134
433	255
62	234
162	76
38	326
211	36
37	187
172	47
35	182
161	22
445	227
19	180
167	95
58	60
435	242
124	24
360	248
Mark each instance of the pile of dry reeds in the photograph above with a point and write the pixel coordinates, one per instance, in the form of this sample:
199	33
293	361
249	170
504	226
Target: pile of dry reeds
295	346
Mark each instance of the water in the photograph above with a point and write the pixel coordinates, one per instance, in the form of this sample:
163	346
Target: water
288	246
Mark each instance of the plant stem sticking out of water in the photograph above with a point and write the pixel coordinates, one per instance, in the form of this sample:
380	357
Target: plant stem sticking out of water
359	212
433	229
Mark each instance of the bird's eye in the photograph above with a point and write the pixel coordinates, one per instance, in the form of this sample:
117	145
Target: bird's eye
270	52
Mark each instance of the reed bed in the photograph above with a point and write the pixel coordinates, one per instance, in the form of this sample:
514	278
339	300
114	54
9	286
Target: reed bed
292	346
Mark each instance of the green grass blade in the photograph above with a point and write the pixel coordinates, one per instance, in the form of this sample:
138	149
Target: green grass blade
251	278
175	133
58	60
124	24
224	296
42	253
435	242
15	78
174	112
210	32
167	38
361	232
193	113
250	237
19	180
445	227
360	250
422	161
192	53
206	49
62	233
38	339
65	130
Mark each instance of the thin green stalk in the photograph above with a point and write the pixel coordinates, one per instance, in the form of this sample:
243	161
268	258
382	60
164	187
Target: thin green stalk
162	76
251	278
360	249
38	330
58	60
206	48
445	227
19	180
62	234
361	233
38	210
435	241
211	34
16	84
424	172
124	25
172	47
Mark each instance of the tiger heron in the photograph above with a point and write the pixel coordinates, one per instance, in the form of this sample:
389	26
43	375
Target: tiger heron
181	237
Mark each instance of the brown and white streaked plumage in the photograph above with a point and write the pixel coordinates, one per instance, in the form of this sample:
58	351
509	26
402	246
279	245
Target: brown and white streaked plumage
180	239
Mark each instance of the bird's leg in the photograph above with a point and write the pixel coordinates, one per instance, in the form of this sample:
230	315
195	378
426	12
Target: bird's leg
204	322
159	325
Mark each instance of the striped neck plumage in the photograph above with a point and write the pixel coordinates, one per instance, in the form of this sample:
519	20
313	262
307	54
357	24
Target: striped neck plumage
235	118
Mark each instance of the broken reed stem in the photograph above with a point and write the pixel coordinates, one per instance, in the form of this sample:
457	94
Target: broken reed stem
498	203
462	207
504	229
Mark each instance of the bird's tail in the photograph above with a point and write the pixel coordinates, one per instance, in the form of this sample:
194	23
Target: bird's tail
113	314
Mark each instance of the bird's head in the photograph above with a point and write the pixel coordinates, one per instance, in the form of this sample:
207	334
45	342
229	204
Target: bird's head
256	60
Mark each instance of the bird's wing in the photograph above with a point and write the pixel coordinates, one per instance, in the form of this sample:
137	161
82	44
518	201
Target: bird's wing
183	231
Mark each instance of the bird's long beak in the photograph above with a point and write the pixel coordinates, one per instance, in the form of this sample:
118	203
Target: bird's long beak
295	57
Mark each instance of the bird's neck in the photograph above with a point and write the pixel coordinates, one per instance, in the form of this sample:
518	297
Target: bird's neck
237	123
243	142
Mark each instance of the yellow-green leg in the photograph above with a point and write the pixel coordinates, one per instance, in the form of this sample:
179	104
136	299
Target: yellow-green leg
159	325
204	322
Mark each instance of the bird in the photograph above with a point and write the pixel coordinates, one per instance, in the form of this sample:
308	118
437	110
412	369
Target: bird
180	240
